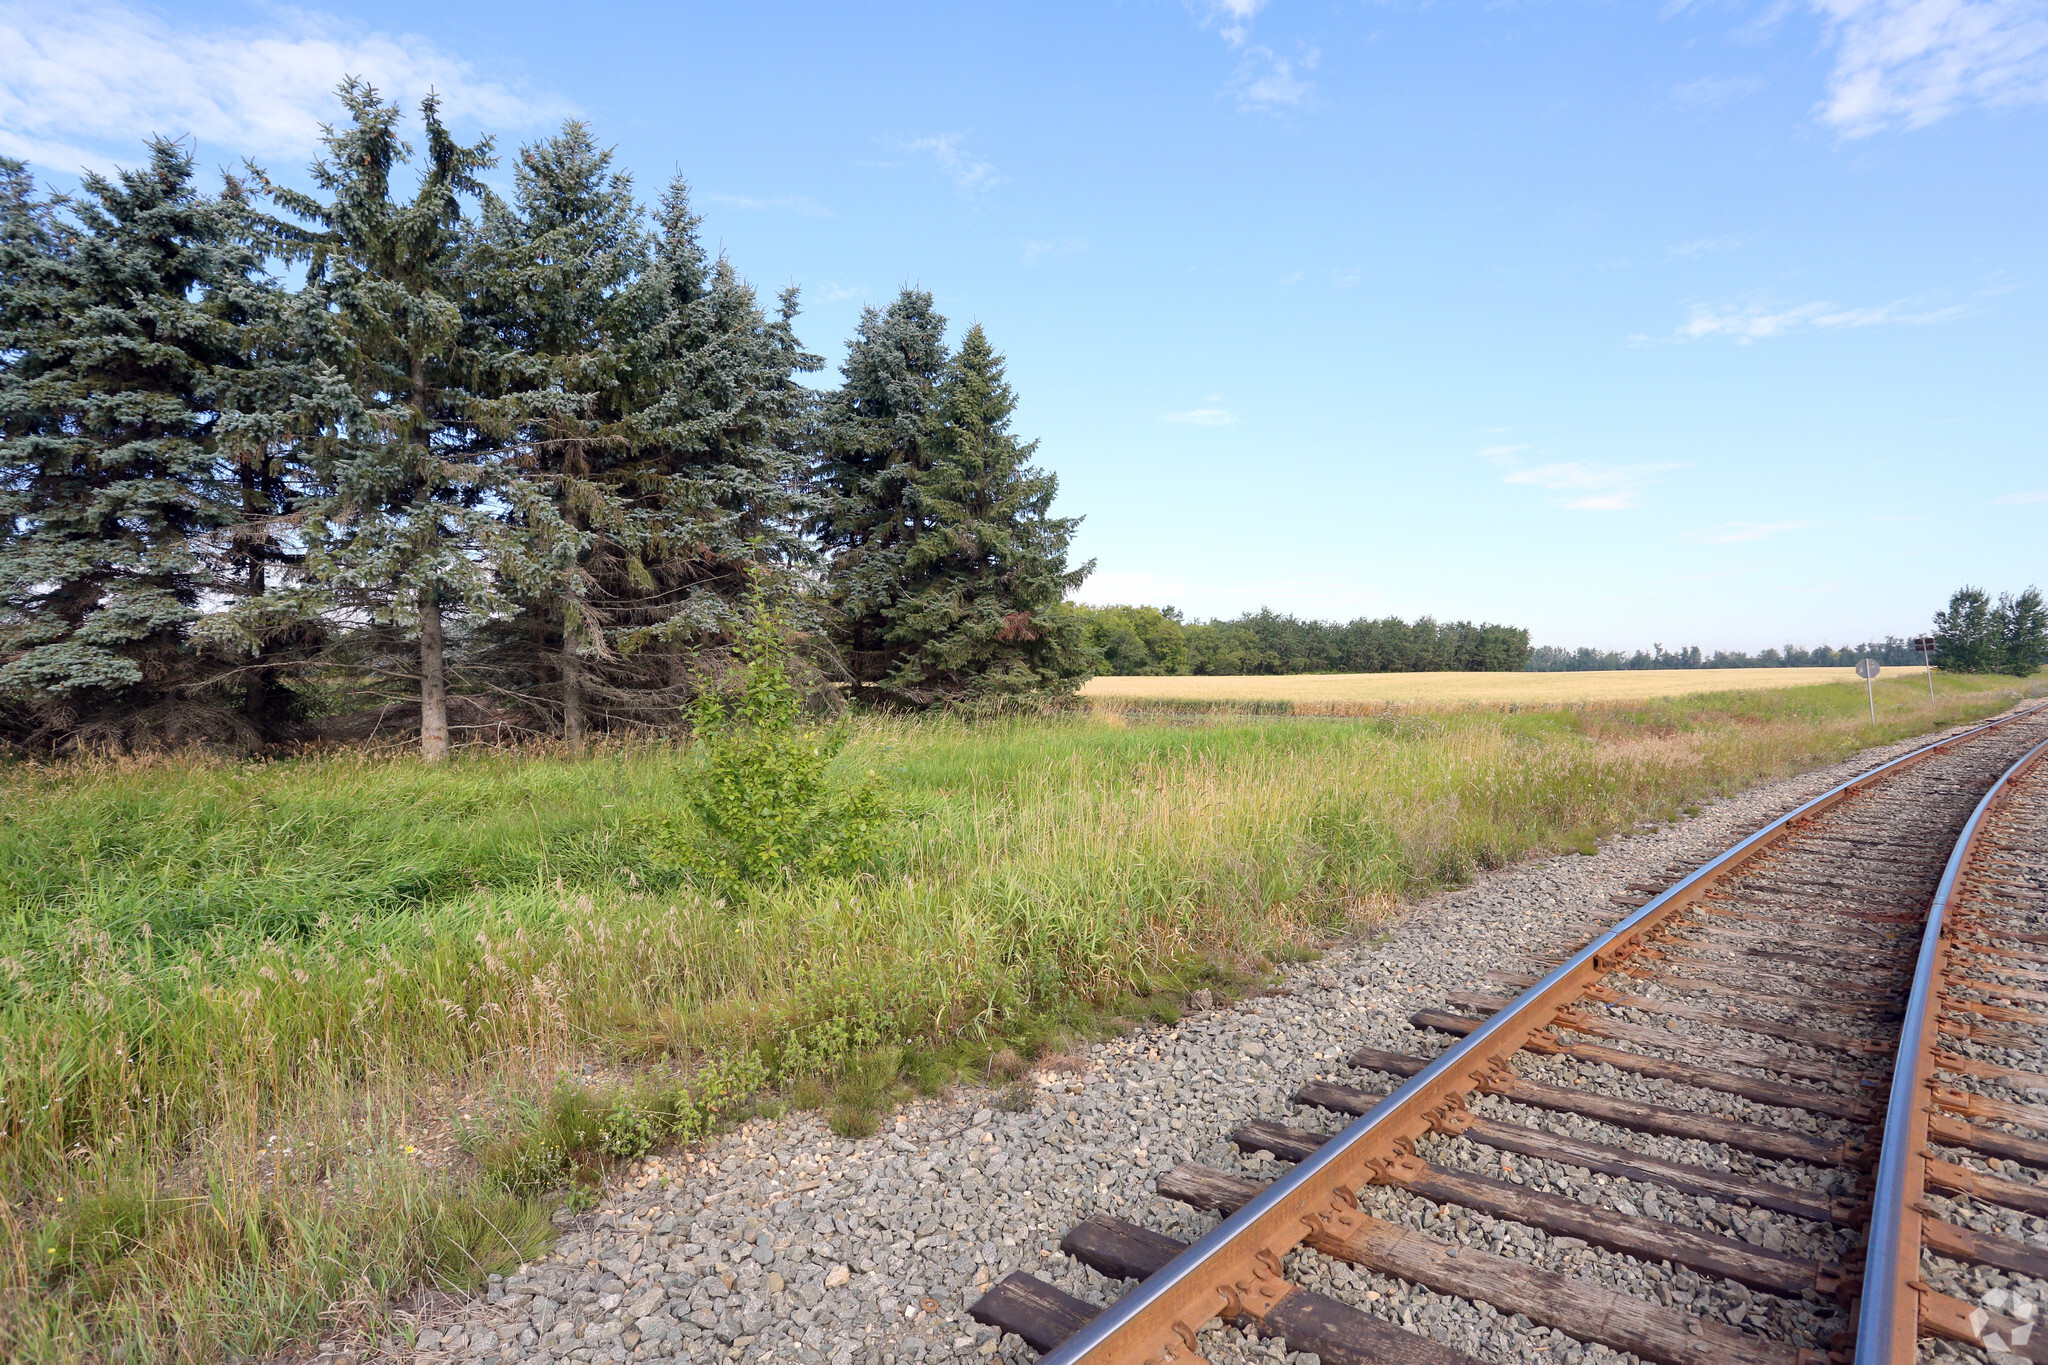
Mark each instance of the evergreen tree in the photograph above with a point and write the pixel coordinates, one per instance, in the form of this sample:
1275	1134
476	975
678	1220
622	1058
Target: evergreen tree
659	417
405	531
875	437
121	363
948	571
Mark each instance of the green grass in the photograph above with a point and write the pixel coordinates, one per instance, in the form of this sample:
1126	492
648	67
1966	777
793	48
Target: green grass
390	970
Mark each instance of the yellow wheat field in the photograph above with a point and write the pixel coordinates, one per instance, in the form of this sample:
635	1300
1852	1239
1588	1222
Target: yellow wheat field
1620	685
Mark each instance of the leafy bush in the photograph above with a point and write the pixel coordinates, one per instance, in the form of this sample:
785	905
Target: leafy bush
766	799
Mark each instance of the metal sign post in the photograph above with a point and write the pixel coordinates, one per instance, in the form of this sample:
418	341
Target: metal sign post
1925	644
1867	670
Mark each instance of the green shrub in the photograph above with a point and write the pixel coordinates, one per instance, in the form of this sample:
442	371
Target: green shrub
766	800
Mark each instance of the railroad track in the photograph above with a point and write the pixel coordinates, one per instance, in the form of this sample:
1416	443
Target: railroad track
1715	1102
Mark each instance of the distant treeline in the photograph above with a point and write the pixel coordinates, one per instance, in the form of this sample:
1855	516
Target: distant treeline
1975	634
1154	641
1554	659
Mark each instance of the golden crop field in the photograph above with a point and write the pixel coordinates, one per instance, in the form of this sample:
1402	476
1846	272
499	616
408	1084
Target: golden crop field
1621	685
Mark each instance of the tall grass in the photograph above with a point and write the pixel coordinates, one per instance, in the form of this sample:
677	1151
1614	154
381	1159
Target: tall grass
203	963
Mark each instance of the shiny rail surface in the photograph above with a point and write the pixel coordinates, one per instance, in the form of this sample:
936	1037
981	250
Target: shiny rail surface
1895	1305
1235	1272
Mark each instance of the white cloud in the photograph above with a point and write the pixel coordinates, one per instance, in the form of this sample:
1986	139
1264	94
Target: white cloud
1201	417
1711	92
970	174
840	293
1235	17
1056	249
2017	499
1705	246
1266	82
786	203
1592	487
1909	63
1735	532
1756	322
85	83
1501	455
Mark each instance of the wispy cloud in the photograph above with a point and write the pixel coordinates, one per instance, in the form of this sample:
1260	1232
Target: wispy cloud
786	203
1735	532
1054	249
1705	246
2020	499
86	81
1711	92
840	293
1266	82
1201	417
1909	63
969	173
1757	321
1592	487
1501	455
1233	18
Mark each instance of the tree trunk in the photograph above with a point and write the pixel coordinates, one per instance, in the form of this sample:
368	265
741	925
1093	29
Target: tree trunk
433	681
572	692
259	693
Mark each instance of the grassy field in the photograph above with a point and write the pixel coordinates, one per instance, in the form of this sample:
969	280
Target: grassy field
1437	689
280	1040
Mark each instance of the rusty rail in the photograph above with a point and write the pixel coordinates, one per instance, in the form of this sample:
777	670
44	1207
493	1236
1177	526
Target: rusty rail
1889	1318
1236	1269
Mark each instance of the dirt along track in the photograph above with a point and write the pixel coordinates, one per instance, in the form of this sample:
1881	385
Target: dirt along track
1696	1094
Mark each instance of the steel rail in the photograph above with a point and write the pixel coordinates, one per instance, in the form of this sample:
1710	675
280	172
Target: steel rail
1888	1319
1155	1324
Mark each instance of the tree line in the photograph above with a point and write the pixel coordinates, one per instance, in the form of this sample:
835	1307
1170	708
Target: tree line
1156	641
267	453
1973	634
1555	659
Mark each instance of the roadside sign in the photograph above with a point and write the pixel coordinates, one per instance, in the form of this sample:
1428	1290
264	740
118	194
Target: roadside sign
1867	670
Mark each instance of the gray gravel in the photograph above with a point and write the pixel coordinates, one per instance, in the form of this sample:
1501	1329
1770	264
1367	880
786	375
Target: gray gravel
783	1242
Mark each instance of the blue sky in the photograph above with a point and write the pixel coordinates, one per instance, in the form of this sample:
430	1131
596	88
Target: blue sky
1716	323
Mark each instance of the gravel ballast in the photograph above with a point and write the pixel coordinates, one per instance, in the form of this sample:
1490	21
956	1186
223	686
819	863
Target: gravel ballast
781	1241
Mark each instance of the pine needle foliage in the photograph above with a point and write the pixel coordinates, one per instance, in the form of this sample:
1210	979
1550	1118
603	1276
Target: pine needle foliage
659	419
406	533
117	371
947	571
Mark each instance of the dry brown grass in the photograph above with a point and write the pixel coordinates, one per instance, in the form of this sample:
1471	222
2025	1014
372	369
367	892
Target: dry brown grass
1452	688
